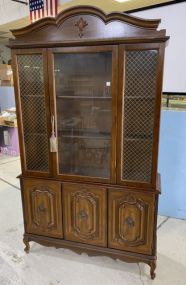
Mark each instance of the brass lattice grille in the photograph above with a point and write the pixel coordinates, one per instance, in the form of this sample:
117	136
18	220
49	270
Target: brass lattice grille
138	111
32	95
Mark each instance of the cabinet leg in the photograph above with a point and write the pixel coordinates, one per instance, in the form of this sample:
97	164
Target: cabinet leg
152	269
26	242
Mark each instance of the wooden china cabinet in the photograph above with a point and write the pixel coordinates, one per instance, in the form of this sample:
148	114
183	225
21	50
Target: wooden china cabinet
88	95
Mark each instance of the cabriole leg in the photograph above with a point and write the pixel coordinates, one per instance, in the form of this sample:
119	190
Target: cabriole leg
26	242
152	269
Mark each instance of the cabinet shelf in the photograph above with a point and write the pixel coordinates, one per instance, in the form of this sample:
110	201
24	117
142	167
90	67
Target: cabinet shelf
35	134
84	131
85	137
138	138
84	134
83	97
140	98
33	96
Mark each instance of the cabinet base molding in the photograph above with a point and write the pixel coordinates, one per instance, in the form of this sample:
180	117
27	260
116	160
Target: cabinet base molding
92	250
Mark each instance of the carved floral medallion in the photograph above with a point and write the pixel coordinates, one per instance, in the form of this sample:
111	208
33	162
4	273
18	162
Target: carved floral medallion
81	24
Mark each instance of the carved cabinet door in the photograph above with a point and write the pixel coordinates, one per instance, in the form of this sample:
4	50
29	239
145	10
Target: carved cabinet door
42	206
131	221
85	214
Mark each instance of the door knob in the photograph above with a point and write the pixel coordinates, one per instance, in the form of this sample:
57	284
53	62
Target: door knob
83	215
41	208
129	221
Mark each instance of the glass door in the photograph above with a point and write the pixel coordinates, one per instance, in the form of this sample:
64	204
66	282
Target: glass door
84	84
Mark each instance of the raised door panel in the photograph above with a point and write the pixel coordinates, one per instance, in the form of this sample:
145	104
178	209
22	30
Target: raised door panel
131	221
85	214
42	204
32	102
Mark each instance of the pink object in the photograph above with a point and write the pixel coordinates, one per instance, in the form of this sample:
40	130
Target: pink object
13	148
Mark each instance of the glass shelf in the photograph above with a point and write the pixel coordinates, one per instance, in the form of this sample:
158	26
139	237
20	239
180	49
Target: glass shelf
83	132
84	97
85	137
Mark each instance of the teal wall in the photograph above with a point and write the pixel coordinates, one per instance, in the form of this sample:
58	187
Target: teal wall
172	164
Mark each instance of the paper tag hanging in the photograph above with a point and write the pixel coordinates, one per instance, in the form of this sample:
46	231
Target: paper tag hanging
53	139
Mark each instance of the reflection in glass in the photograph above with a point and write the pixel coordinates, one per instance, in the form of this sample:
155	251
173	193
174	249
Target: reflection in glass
84	118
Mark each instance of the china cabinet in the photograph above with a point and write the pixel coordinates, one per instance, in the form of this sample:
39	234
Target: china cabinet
88	95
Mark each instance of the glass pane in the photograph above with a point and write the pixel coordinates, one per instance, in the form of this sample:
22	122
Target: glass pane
84	113
138	113
32	94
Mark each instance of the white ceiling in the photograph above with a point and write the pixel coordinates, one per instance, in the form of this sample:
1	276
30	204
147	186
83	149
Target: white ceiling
11	11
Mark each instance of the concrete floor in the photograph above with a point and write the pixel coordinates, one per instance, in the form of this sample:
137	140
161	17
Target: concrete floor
50	266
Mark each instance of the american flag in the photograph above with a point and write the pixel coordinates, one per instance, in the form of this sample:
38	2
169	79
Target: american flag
42	8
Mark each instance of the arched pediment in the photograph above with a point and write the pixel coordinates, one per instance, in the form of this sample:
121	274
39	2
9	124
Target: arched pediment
86	23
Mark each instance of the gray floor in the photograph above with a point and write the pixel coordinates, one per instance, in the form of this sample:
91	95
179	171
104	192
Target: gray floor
50	266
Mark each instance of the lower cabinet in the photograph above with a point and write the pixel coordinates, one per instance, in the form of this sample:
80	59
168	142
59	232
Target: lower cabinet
85	213
42	206
131	221
83	209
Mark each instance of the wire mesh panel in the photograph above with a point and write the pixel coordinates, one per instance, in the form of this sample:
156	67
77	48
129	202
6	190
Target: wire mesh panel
32	94
138	114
